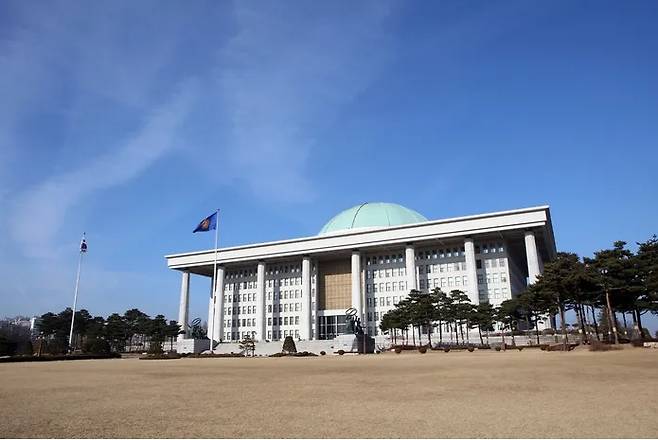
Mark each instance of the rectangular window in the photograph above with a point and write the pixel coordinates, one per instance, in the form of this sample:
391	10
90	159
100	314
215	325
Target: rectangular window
285	320
269	335
376	316
388	287
269	321
422	284
296	320
388	300
451	281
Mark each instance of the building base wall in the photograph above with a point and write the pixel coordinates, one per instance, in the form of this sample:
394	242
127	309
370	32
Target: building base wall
192	345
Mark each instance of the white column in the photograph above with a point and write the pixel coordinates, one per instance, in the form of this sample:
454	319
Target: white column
410	262
305	321
316	296
471	271
218	327
261	333
356	284
531	256
184	305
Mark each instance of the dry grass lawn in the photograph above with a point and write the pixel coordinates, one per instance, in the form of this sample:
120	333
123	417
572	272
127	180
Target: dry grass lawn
481	394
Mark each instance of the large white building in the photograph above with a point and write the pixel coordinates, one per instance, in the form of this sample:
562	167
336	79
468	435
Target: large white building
368	257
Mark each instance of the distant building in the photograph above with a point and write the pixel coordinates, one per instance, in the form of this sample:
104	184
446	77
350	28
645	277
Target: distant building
368	257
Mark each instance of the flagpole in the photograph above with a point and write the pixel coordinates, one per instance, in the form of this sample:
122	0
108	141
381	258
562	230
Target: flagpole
214	289
75	297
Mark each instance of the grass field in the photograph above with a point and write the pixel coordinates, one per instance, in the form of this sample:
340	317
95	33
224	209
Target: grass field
481	394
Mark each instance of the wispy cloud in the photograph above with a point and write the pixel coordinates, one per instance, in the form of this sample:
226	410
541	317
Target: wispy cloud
284	77
53	198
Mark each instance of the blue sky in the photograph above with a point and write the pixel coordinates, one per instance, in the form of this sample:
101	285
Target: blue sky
134	120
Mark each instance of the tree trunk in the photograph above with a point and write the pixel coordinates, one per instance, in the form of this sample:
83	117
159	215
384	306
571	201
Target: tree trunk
420	337
623	317
563	324
461	330
429	334
583	317
440	333
596	324
480	333
580	324
638	323
413	335
537	328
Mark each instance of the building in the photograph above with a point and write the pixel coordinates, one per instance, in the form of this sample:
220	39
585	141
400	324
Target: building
368	257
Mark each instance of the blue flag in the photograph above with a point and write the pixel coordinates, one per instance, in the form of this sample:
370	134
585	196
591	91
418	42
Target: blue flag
207	223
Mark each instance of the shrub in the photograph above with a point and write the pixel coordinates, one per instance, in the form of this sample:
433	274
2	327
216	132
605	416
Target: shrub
398	350
341	352
422	350
600	346
497	348
322	353
155	348
471	349
96	345
446	349
289	345
154	357
56	346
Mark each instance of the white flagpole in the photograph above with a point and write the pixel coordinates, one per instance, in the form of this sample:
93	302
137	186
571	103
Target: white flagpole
75	296
214	289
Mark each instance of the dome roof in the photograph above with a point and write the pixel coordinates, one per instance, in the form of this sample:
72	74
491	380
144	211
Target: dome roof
371	215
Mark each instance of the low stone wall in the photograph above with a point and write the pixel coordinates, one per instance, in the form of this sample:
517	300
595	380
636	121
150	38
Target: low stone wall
268	348
192	345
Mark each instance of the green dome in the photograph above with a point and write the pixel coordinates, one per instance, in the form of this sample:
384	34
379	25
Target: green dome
371	215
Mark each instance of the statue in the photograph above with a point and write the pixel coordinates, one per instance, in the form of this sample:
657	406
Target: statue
197	331
352	322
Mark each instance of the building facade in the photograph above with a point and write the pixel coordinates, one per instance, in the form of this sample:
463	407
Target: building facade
368	257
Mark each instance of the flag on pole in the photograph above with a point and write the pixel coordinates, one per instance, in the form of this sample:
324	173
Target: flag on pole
83	244
207	223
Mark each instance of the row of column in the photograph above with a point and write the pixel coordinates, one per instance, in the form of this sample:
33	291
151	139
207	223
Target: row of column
216	306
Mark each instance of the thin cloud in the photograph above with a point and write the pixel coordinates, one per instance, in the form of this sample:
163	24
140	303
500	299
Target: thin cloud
284	77
53	198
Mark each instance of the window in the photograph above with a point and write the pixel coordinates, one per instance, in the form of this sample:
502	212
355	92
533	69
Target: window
451	281
269	321
381	287
296	320
388	300
388	287
394	286
458	281
422	284
465	280
269	335
376	316
374	300
285	320
503	277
